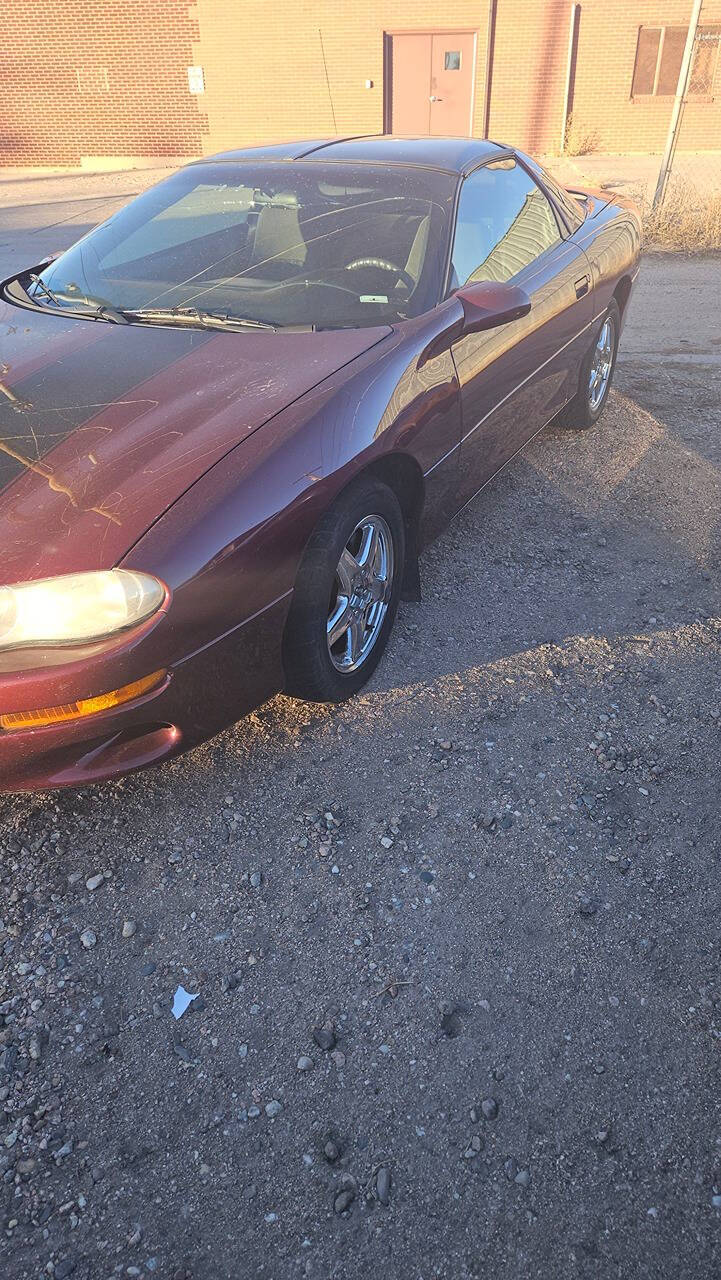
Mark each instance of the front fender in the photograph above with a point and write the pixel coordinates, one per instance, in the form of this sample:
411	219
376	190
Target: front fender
231	545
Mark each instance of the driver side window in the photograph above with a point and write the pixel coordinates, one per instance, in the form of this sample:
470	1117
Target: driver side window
504	222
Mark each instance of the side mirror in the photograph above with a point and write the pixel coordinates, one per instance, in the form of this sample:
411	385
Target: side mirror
487	305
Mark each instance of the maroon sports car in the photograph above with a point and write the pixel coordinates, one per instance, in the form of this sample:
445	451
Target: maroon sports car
231	416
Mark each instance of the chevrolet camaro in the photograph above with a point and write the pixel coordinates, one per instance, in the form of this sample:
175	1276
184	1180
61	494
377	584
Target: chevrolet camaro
232	415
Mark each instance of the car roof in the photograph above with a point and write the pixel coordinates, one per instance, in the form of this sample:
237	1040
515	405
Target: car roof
454	155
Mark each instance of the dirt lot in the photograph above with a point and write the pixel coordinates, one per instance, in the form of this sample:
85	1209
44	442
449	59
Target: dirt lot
455	943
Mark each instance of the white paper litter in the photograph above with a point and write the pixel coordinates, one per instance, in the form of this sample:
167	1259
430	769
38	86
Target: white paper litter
181	1000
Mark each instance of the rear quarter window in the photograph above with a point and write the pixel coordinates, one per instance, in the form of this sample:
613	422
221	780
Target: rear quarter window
572	209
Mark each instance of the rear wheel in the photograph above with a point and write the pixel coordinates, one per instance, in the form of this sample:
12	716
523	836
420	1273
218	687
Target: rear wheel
346	595
596	375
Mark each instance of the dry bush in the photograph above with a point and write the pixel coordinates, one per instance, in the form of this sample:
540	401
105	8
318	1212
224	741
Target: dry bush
687	221
580	139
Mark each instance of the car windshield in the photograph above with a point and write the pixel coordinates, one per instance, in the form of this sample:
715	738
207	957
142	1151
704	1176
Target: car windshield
330	246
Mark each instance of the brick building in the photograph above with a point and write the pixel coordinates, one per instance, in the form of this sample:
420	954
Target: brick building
89	79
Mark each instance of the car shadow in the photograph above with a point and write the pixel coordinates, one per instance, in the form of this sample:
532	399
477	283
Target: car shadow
583	534
590	549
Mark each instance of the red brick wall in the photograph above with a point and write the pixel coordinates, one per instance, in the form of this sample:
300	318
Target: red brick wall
144	45
265	78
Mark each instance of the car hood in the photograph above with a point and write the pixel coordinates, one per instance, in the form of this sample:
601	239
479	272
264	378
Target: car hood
103	426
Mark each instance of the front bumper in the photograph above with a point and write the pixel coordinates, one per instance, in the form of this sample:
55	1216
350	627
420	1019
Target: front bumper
198	697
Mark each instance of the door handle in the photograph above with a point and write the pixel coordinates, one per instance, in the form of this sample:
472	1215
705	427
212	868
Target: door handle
582	286
433	98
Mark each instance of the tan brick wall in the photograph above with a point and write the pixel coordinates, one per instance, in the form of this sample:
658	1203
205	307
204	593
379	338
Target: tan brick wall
265	76
264	71
607	50
529	73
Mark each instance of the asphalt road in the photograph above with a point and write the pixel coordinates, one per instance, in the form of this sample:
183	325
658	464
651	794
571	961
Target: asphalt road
455	942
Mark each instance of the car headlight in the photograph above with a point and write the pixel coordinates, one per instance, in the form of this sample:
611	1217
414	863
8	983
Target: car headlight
76	608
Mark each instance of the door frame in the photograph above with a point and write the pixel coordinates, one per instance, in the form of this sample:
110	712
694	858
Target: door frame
388	66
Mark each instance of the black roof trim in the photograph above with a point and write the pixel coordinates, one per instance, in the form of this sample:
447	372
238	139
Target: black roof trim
444	155
331	142
309	159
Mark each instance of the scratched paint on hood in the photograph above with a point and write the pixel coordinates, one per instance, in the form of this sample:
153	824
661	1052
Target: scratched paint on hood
103	426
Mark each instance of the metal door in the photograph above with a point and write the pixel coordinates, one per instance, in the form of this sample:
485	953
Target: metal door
432	83
451	93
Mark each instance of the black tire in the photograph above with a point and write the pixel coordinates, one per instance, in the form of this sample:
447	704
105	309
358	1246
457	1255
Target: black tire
310	670
579	414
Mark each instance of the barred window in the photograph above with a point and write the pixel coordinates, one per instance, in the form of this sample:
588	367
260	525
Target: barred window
705	60
659	52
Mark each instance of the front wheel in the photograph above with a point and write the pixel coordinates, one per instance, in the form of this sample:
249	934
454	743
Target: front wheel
596	374
346	595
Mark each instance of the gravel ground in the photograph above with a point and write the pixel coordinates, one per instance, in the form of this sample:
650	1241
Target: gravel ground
455	943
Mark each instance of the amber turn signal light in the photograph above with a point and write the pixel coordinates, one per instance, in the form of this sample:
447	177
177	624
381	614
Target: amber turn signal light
83	707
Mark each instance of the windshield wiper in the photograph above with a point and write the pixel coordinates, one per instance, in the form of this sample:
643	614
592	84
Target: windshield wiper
98	308
191	315
40	284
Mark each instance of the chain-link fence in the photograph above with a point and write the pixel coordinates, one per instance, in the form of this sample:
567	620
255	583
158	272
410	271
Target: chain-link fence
657	134
685	208
689	159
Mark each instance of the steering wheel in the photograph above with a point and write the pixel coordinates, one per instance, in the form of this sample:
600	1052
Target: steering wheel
384	265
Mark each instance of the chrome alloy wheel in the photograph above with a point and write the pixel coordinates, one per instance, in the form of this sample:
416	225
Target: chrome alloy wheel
361	593
601	365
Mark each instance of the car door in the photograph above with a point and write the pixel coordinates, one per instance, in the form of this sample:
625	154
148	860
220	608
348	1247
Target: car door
515	378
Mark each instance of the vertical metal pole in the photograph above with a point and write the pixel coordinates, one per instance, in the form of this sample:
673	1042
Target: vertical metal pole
490	38
678	102
569	70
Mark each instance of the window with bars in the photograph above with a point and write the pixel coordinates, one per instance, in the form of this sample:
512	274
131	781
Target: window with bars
659	52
